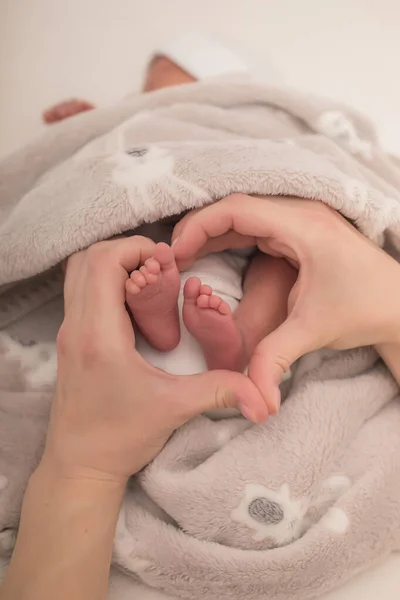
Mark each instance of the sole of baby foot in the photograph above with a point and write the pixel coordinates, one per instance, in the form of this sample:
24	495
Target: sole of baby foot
152	297
66	109
210	321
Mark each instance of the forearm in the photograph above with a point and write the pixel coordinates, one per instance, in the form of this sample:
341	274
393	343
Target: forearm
65	539
390	353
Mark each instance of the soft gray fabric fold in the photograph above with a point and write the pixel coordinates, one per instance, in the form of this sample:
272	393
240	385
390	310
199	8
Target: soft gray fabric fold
285	510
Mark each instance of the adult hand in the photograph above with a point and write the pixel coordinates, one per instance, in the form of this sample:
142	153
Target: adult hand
347	292
112	411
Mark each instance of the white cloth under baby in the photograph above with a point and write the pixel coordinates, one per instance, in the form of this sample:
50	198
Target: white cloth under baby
224	273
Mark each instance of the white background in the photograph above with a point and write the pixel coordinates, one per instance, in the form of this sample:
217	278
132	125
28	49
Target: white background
51	50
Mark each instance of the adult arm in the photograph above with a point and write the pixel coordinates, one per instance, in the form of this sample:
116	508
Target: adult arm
112	413
65	539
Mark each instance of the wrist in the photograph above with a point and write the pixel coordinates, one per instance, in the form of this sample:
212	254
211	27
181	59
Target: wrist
54	466
72	518
76	481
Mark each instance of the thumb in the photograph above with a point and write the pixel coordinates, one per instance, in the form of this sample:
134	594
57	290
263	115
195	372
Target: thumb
222	389
274	356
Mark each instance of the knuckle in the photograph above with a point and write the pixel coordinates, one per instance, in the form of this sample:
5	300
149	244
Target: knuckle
236	198
325	216
83	346
95	254
141	239
280	362
95	249
222	398
283	363
91	352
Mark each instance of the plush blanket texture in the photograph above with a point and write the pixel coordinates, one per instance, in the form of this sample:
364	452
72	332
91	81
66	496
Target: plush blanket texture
228	510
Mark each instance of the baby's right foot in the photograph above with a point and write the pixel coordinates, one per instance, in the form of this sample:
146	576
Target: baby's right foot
152	296
210	320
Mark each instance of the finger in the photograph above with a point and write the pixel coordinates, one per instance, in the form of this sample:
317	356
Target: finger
274	356
181	224
101	271
230	240
233	198
217	390
248	216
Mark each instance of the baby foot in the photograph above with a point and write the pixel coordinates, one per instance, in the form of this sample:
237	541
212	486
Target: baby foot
152	296
66	109
210	320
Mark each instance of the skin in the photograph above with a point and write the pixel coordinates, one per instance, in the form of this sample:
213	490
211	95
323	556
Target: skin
347	291
112	412
161	73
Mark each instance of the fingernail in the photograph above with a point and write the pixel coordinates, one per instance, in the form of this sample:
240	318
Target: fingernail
174	242
248	413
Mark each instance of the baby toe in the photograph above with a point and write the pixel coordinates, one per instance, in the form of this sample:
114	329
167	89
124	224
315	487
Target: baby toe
191	289
138	279
132	288
152	265
164	255
203	301
224	308
150	278
215	302
205	290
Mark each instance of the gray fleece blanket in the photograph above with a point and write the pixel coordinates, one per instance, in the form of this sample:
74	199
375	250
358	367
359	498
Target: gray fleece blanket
229	510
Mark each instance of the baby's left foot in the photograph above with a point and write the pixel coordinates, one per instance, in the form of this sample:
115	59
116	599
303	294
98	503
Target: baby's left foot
210	320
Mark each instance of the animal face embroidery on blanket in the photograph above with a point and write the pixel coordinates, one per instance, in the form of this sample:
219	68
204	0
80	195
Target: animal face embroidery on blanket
137	152
266	511
139	166
275	515
148	173
337	126
271	514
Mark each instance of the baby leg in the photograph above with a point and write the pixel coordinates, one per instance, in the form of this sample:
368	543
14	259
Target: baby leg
152	297
266	288
229	339
210	320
